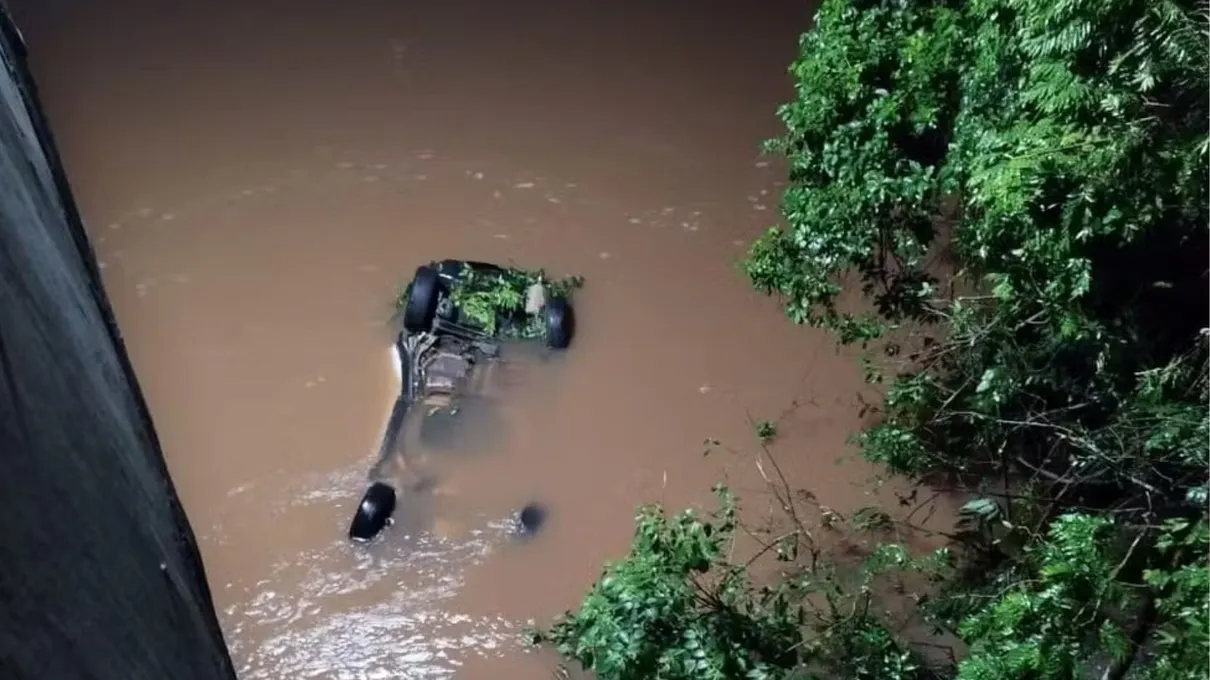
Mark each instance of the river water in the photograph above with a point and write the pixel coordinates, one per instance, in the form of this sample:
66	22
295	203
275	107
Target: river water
259	176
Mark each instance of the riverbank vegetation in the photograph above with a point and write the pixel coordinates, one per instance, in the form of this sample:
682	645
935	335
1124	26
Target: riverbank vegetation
1018	189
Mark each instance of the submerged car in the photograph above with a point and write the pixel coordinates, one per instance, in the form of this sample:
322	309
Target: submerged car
453	317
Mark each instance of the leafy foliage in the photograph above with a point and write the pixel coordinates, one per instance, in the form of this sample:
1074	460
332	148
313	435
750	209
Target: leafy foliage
496	301
766	430
676	608
1019	190
650	616
1051	157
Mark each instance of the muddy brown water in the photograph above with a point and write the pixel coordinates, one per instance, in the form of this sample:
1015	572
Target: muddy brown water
259	176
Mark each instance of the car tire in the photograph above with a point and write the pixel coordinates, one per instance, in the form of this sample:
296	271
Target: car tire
560	323
529	521
373	512
423	295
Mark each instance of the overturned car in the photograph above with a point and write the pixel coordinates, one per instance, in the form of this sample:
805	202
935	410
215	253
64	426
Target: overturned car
454	315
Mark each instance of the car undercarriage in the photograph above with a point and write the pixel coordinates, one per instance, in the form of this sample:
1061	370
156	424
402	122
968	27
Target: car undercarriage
445	348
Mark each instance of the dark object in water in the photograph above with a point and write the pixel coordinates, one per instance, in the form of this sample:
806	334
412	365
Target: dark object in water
423	294
373	513
560	323
530	519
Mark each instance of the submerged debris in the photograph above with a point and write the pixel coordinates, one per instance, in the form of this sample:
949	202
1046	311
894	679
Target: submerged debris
530	520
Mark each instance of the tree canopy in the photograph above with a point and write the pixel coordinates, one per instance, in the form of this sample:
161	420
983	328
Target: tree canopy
1018	189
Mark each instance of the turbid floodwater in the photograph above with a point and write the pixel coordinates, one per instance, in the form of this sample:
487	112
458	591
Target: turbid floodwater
259	176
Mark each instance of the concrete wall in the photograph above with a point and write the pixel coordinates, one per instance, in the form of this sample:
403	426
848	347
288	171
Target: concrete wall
100	575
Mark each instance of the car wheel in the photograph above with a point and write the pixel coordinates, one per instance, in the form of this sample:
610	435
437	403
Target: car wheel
560	323
373	512
421	305
529	520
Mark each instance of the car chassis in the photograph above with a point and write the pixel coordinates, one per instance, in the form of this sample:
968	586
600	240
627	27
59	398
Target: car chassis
440	347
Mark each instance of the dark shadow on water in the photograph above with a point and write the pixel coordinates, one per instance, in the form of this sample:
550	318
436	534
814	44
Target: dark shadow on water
477	425
414	516
474	428
535	353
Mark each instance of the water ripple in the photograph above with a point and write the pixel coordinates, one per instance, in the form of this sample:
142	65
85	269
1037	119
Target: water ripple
359	612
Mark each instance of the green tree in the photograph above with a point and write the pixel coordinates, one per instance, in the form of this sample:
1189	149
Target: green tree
677	608
1019	190
651	615
1055	152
